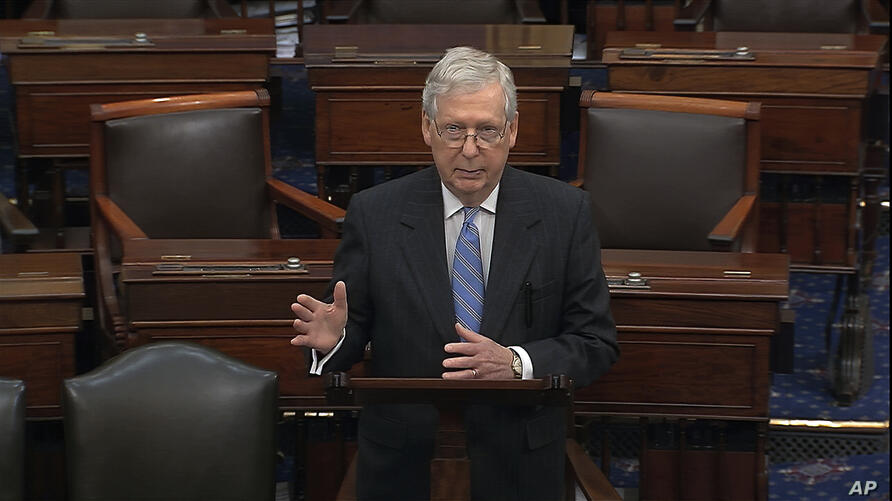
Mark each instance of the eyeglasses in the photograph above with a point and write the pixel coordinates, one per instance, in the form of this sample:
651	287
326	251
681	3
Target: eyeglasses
455	136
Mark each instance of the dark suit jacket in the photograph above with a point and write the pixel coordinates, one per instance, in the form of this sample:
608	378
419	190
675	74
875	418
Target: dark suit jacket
393	260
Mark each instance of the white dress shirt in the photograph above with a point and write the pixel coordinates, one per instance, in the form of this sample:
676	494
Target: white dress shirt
453	220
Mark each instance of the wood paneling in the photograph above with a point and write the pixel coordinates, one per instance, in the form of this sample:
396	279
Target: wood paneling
41	296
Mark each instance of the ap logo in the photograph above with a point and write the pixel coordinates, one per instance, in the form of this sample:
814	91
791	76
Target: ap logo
862	490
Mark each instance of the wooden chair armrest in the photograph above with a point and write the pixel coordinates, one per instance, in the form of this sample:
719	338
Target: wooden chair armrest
15	224
38	9
729	228
340	11
577	183
591	480
330	217
529	12
691	15
876	16
119	222
222	8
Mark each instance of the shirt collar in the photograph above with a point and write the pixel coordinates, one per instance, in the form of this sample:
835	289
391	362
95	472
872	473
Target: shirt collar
451	203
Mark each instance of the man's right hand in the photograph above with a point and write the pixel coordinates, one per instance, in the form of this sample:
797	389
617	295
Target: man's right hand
320	325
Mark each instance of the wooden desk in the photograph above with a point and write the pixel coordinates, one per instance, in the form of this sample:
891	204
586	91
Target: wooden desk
695	344
812	88
695	340
368	81
74	63
241	312
723	323
41	296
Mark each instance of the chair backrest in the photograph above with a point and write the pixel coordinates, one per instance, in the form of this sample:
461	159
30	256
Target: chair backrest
203	159
806	16
171	421
439	12
12	440
663	171
117	9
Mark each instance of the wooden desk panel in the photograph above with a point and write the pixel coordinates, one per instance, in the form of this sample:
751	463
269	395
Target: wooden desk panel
244	315
699	374
697	341
350	131
368	101
56	83
41	296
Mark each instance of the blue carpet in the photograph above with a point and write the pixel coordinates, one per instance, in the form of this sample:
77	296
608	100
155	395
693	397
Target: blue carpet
831	479
804	394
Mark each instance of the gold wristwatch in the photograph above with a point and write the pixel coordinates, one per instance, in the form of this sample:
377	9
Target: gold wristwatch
516	365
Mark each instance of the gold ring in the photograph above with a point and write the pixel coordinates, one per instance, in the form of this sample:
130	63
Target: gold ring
474	371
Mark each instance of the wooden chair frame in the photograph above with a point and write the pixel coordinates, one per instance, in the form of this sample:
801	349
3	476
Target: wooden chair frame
874	17
346	11
740	223
109	219
43	9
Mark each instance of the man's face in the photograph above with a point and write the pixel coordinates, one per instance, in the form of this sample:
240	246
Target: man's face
470	172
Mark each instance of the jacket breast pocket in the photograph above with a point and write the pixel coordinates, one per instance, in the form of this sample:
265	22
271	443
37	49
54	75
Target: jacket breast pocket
532	292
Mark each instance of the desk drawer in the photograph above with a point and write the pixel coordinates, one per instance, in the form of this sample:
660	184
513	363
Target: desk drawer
724	313
703	373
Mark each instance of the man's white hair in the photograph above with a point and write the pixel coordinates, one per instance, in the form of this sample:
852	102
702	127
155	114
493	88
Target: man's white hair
466	70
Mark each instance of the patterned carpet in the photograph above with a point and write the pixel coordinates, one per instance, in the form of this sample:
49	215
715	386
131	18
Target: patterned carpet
802	395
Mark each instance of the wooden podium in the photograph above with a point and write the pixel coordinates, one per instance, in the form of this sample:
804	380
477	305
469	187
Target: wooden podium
450	466
368	81
41	296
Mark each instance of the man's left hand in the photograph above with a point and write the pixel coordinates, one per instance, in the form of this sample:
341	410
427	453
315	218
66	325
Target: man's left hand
482	358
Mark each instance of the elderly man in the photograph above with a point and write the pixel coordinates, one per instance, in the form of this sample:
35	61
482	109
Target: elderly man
468	269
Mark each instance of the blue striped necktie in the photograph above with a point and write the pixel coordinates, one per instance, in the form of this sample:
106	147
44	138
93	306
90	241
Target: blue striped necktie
467	274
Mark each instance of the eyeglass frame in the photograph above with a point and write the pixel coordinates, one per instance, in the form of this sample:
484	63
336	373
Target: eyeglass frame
475	136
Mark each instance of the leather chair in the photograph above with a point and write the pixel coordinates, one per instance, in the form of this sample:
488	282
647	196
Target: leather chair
193	167
12	440
670	173
116	9
433	11
806	16
171	421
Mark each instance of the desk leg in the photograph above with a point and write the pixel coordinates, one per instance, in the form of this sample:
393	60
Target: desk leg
818	252
321	190
57	203
870	213
23	194
761	462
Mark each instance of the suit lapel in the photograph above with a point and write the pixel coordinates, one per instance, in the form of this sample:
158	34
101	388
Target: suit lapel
424	249
514	246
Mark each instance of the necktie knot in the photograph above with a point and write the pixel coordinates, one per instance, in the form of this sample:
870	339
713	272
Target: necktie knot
470	213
